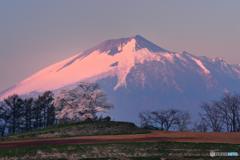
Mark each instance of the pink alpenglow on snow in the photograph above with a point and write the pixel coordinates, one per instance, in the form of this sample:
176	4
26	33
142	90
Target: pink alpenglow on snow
137	75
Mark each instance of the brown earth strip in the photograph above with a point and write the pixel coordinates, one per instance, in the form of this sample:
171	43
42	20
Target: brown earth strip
154	136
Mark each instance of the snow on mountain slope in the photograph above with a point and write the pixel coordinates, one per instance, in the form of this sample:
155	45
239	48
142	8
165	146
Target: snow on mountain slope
97	64
136	73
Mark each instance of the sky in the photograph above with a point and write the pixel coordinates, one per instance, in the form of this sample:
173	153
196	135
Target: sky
35	34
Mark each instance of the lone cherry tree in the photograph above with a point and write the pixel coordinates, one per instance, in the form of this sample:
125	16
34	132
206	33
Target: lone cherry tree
81	103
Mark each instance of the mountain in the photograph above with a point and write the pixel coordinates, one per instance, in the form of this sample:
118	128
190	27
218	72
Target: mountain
138	75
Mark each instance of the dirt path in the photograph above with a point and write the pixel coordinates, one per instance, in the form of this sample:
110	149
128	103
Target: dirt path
155	136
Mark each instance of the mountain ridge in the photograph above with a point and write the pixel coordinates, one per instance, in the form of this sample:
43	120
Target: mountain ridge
135	69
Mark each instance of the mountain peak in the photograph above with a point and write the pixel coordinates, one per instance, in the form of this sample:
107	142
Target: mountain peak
132	75
112	46
141	42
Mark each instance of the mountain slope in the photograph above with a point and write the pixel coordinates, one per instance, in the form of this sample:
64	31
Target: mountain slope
138	75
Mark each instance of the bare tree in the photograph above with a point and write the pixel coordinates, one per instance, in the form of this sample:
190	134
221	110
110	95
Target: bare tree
3	118
184	119
230	110
146	120
170	119
223	115
200	126
212	116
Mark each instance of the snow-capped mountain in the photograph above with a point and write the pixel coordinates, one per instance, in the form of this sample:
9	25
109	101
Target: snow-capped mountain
138	75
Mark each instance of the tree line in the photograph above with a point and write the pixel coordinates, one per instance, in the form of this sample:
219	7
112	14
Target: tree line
80	103
221	116
85	101
165	120
19	115
215	116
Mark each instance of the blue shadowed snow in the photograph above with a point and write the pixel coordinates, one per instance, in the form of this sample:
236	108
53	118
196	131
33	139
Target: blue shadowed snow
143	43
111	46
108	45
114	64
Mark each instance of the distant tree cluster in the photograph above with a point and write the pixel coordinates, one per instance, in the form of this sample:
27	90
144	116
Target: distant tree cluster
80	103
165	120
220	116
215	116
19	115
84	102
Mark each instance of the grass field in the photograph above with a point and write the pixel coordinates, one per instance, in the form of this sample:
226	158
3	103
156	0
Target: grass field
115	141
82	129
146	150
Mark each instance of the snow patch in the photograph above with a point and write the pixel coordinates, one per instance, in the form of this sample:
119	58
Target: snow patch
126	62
169	57
201	65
